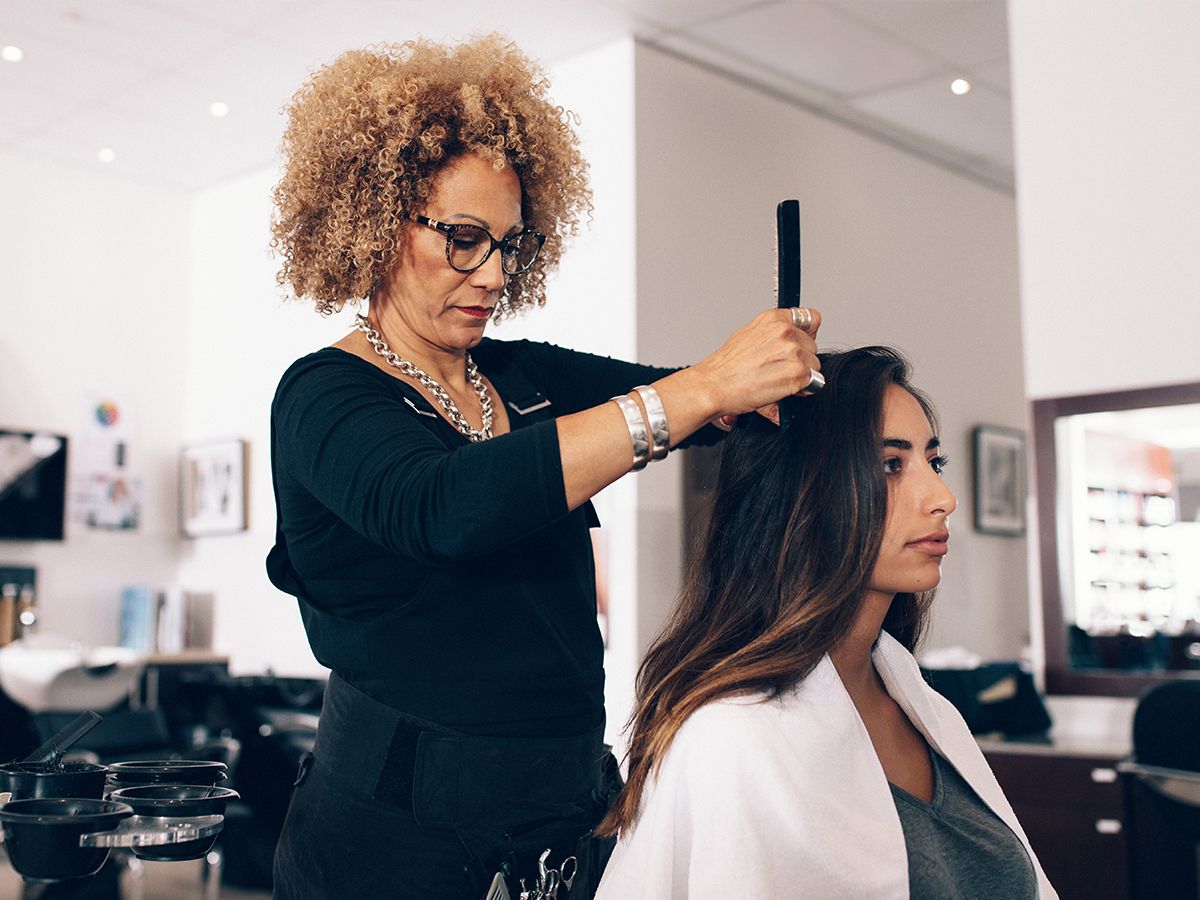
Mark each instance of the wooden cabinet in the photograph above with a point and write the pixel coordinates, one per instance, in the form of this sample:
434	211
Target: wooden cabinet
1074	811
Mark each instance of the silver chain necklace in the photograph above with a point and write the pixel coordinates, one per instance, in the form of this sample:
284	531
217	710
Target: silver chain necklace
439	393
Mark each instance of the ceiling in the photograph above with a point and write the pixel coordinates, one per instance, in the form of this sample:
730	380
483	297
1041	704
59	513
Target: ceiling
138	76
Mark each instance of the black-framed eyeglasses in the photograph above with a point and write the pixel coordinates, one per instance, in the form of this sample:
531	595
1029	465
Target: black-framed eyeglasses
469	246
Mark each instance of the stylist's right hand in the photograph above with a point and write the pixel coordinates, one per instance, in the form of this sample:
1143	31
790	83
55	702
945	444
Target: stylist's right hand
765	360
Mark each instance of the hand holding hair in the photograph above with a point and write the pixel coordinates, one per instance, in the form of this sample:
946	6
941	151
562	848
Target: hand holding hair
773	356
768	358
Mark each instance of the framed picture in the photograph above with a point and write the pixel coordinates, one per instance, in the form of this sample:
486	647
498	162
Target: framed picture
999	480
213	488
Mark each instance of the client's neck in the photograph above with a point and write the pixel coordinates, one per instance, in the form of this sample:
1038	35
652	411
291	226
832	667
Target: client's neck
851	655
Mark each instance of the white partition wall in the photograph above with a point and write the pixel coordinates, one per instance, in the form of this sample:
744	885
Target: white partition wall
1106	130
1107	134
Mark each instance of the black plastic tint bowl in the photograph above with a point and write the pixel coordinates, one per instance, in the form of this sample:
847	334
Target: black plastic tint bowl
42	835
166	771
177	852
175	801
28	781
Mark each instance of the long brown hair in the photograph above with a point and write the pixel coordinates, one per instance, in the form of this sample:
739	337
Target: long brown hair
783	564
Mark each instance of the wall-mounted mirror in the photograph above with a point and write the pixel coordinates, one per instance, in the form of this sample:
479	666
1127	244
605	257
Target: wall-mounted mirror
1118	479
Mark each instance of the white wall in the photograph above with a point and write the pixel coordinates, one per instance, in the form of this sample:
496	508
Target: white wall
896	251
1107	132
242	334
93	274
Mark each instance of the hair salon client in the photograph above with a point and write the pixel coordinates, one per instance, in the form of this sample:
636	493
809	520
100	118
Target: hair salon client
784	743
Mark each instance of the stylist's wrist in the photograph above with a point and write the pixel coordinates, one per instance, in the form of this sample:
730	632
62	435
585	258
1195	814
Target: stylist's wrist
689	402
703	389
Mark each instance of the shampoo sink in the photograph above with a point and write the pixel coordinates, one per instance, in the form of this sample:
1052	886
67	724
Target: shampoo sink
60	676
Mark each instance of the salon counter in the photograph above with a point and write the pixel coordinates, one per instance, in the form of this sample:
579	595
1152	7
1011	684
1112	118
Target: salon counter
1069	796
1083	727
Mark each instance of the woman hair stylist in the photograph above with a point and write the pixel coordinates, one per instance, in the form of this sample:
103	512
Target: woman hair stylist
432	486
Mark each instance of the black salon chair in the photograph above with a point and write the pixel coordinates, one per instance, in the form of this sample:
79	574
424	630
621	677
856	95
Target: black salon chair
18	736
275	719
122	733
1164	793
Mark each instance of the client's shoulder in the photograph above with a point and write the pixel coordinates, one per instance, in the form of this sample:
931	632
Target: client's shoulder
723	743
717	718
813	716
718	733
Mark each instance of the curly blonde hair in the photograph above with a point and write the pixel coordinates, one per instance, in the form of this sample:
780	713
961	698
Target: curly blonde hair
368	134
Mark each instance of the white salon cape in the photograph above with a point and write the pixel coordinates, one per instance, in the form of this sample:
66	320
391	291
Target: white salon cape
786	798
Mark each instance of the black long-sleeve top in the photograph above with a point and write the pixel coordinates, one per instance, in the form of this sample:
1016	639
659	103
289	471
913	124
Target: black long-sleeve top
445	578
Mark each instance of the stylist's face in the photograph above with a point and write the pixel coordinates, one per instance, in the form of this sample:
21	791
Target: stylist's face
915	538
440	306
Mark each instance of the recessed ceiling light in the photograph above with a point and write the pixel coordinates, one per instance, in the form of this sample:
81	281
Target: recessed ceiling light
218	110
106	154
11	54
960	86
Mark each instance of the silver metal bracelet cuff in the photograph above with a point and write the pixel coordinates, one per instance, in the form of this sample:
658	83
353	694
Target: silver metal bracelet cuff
637	431
660	432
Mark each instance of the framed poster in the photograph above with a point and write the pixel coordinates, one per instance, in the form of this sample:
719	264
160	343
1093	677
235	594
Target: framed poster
213	488
999	480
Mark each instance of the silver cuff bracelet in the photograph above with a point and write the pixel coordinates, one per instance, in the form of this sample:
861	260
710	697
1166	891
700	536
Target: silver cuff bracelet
637	430
660	433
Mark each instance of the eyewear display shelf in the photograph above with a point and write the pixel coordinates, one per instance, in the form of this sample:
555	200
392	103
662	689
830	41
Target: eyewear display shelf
1129	556
1128	605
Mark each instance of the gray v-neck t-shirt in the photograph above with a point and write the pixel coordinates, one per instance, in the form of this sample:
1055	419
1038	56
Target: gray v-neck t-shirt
958	849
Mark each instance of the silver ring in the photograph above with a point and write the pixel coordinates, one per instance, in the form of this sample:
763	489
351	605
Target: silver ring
816	383
802	317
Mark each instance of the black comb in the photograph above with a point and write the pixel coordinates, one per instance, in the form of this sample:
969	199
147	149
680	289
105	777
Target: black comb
787	241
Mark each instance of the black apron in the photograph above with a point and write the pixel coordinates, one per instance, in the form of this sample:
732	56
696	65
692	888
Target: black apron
393	806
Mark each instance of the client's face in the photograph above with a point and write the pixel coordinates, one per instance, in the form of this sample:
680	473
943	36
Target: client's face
915	538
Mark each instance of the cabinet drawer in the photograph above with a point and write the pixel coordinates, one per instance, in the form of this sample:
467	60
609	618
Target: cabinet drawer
1073	811
1089	786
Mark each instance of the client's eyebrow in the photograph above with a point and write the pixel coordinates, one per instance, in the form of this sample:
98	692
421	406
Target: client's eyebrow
899	444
